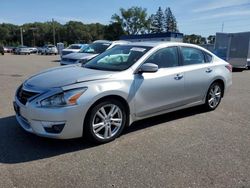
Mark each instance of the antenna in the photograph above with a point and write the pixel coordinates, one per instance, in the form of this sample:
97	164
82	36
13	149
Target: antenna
222	27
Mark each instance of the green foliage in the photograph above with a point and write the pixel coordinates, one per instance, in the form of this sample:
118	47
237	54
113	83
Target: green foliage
171	23
113	31
163	22
8	33
133	20
194	39
211	39
157	22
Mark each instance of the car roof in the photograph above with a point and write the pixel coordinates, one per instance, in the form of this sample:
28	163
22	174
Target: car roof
162	43
77	44
102	41
154	43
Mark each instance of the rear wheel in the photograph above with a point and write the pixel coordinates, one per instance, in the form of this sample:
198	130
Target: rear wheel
214	96
105	121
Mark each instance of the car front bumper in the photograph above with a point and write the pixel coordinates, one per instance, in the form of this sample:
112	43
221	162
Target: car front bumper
36	119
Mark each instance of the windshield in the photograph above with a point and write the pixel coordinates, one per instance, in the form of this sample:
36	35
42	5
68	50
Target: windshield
117	58
95	48
75	47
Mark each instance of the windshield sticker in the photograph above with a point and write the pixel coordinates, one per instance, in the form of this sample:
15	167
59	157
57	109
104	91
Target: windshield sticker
138	49
106	44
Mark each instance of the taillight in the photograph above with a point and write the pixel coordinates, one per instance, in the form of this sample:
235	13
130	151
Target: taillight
229	67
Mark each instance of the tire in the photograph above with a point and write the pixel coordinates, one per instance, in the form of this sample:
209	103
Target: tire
214	96
106	128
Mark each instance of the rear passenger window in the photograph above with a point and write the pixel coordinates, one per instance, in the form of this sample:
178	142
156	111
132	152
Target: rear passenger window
192	56
209	57
164	58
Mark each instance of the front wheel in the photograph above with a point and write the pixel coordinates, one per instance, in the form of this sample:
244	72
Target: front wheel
214	96
105	121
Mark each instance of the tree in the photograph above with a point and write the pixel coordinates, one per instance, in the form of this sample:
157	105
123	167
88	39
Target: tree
194	39
133	20
171	23
157	22
9	34
211	39
113	31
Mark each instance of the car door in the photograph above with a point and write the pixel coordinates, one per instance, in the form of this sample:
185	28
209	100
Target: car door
198	70
162	90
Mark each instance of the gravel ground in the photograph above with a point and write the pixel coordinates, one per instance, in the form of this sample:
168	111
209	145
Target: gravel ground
188	148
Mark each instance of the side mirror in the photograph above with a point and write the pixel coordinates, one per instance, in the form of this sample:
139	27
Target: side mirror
148	67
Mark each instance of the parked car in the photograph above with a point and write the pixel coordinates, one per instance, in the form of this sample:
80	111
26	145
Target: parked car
73	48
33	50
22	50
1	50
124	84
49	50
89	52
7	49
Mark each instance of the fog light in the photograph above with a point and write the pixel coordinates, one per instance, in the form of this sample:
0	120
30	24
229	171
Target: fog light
53	127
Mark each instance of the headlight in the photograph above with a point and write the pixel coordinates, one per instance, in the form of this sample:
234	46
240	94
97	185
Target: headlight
66	98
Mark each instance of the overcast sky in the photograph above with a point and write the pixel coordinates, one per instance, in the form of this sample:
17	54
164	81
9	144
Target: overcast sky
193	16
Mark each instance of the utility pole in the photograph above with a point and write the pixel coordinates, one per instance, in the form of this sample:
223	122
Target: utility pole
33	33
21	33
222	27
54	32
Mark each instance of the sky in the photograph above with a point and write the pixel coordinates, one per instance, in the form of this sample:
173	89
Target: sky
193	16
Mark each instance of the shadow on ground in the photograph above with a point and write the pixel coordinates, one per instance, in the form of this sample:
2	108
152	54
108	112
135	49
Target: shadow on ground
57	60
17	146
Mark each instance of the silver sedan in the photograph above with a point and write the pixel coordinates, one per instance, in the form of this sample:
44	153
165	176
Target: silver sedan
122	85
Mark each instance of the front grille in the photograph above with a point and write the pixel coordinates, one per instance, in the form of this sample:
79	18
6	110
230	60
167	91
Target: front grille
23	95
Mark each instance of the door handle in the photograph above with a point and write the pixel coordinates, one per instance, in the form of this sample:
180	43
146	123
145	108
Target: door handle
178	76
209	70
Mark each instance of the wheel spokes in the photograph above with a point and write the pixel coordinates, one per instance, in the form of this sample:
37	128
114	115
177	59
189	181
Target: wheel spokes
215	95
113	111
107	121
100	115
103	112
116	121
99	126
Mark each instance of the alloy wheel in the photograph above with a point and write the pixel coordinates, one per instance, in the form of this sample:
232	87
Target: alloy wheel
214	96
107	121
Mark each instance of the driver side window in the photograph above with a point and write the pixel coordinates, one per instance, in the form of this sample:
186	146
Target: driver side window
164	58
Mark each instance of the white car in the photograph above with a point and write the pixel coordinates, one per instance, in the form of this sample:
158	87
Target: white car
92	50
49	49
73	48
124	84
23	50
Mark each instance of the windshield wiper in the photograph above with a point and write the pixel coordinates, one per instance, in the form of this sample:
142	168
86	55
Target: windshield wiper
95	68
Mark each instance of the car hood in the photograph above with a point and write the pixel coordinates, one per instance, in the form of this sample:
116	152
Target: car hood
77	56
71	50
63	76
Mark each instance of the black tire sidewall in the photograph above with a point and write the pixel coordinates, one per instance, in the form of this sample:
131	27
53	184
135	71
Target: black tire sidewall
88	130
